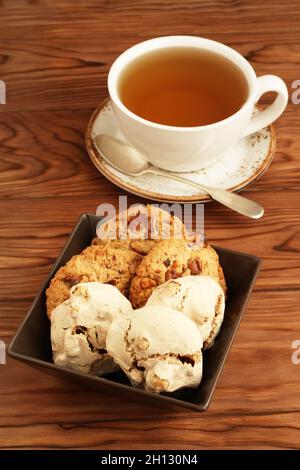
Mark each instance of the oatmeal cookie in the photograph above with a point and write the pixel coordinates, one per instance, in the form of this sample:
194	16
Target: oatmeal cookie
144	227
107	263
171	259
149	224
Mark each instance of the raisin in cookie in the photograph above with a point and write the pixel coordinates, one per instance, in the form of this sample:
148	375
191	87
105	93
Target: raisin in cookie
143	247
106	263
171	259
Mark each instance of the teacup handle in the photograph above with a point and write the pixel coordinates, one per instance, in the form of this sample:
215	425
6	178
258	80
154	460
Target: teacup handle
263	119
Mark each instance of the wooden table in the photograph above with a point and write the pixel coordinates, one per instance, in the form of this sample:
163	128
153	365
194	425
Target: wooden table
54	60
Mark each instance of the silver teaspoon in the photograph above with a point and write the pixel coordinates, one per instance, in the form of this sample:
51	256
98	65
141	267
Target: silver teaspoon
128	160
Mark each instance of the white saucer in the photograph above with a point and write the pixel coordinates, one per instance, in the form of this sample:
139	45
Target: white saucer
239	167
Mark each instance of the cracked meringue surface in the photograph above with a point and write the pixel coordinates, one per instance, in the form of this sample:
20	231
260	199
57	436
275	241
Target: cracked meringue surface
199	297
157	347
79	326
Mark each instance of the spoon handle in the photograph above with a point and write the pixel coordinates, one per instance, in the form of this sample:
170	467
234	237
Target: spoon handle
234	201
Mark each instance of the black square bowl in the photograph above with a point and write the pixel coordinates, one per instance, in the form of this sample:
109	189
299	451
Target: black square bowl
32	345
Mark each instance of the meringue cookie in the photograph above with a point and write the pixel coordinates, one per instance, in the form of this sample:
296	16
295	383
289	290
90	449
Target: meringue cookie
158	348
199	297
79	326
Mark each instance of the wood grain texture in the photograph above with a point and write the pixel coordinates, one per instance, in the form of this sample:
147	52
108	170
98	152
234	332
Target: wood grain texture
55	60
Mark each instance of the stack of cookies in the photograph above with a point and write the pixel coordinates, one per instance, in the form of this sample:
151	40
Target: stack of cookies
147	302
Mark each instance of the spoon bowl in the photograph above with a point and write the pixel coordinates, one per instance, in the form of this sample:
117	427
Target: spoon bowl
121	156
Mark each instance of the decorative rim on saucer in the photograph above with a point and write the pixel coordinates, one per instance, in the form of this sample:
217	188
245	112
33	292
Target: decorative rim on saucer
260	147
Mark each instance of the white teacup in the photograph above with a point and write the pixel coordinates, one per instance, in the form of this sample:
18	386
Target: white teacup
192	148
